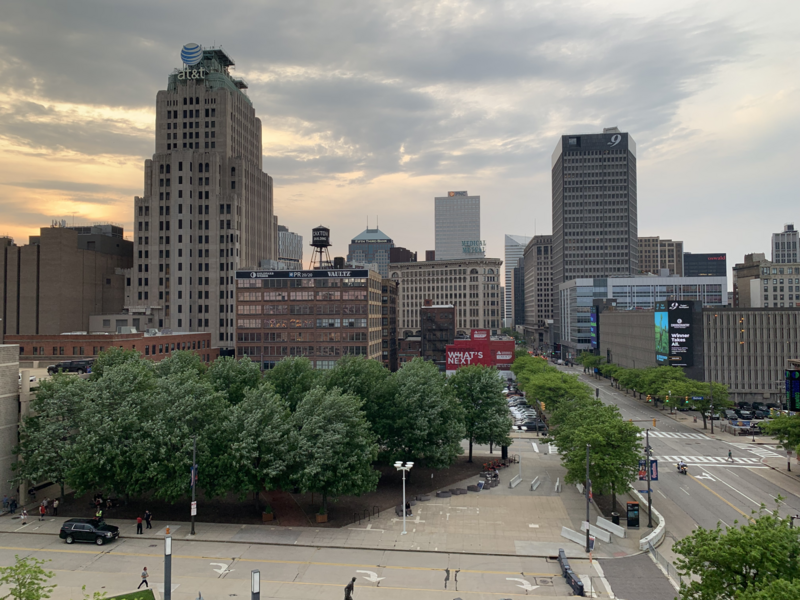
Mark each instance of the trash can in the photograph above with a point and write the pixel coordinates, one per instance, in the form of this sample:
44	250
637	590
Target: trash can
615	518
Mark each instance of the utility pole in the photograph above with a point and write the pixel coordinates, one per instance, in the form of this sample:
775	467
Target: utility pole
194	477
711	405
647	466
587	496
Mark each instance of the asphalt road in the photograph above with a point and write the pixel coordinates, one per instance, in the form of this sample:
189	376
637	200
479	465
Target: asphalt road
222	570
715	490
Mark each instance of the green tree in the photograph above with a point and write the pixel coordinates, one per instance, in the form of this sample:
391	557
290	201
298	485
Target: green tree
366	379
335	447
292	378
26	579
113	357
520	353
631	379
675	391
780	589
786	429
183	407
47	439
181	361
480	392
260	433
615	445
739	561
590	360
553	387
234	377
425	423
113	450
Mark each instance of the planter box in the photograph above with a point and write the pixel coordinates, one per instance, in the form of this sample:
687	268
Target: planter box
322	518
266	517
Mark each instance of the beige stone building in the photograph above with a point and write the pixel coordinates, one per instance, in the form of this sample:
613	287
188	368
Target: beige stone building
64	275
207	206
758	283
538	261
9	414
656	254
472	286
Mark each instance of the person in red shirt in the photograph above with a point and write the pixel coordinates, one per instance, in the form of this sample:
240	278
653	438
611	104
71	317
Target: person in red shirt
42	512
139	525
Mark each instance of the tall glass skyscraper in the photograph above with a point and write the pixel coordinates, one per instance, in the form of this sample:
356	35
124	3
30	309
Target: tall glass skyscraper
371	246
207	205
515	248
458	227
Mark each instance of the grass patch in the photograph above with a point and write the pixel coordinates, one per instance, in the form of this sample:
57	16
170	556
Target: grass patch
138	595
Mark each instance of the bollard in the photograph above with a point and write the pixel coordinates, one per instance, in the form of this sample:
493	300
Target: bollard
167	529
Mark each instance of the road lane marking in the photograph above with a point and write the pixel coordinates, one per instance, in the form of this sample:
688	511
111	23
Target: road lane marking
721	498
737	491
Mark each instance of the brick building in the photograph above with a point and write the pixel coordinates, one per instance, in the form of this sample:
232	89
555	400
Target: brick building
321	314
408	349
61	277
389	324
50	349
438	330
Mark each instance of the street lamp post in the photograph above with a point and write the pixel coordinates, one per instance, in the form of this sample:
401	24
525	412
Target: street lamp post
404	467
194	477
588	446
168	567
647	466
255	585
711	405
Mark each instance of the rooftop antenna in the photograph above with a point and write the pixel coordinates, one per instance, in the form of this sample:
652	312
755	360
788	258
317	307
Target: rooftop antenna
377	222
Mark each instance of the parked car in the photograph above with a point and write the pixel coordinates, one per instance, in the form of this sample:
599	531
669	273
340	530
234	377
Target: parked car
714	418
773	405
759	406
72	366
760	414
32	379
729	414
744	405
531	426
88	530
744	414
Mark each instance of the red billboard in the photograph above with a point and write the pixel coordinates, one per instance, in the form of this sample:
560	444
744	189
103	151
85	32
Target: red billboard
480	351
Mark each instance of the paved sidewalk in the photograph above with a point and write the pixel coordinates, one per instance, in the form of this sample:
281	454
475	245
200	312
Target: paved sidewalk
499	521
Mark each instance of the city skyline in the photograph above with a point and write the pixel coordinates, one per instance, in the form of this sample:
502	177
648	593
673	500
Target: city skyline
348	132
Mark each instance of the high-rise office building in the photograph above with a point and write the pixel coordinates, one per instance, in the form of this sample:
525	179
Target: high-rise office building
518	293
656	254
371	246
290	248
595	227
515	248
784	245
458	227
705	265
207	205
399	254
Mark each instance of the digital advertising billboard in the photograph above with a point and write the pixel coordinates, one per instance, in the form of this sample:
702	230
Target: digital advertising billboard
673	331
593	325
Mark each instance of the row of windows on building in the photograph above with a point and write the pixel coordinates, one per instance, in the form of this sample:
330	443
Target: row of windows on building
305	323
302	350
149	349
223	239
301	336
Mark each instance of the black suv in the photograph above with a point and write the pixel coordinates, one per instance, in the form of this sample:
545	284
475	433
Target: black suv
71	366
88	530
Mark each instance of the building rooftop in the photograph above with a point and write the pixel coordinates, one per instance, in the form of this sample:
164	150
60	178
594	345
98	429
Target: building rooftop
372	235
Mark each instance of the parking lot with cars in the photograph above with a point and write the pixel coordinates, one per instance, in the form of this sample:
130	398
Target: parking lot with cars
524	416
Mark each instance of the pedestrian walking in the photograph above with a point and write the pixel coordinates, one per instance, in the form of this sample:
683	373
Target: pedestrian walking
5	502
147	516
139	525
24	516
145	575
42	512
730	456
348	589
46	503
55	507
12	504
99	514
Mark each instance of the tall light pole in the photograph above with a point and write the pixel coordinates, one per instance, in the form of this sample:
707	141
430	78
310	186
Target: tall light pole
586	489
168	567
647	466
194	478
711	405
404	467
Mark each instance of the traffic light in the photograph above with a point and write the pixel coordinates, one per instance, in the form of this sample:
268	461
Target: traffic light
542	404
686	399
666	401
649	398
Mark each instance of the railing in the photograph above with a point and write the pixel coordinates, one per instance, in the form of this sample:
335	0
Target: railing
672	572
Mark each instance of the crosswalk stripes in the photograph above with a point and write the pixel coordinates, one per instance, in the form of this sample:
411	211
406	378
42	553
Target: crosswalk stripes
668	434
700	460
762	451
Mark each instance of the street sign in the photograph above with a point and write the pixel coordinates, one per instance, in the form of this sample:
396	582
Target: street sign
644	491
194	509
698	398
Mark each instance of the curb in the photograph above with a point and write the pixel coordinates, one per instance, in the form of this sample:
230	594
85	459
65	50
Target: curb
334	547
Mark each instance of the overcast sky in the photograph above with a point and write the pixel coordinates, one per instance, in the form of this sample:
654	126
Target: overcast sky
373	108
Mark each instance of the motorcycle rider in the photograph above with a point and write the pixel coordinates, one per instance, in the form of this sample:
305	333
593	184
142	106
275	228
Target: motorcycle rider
682	467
